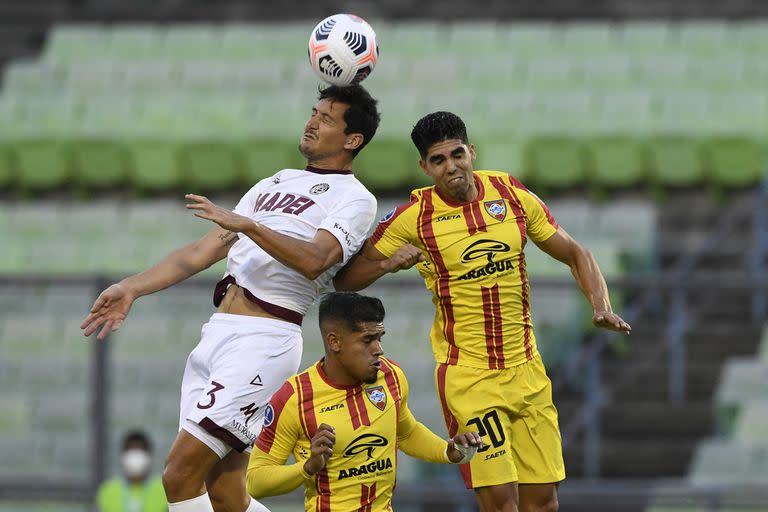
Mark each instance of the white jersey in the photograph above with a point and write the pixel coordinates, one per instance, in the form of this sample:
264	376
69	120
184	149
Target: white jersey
298	203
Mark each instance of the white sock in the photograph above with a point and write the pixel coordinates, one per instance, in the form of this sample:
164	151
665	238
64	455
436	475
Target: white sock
199	504
255	506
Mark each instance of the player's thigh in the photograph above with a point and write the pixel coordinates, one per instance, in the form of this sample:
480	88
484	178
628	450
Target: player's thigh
226	483
497	498
538	497
250	361
473	399
537	442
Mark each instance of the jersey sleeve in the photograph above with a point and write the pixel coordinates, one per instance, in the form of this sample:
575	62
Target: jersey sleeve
267	474
541	224
413	437
351	222
396	228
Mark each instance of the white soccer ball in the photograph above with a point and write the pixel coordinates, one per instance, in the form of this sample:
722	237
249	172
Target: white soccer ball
343	49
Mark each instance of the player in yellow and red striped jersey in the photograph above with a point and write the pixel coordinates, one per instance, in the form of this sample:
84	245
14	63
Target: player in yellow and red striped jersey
344	419
467	236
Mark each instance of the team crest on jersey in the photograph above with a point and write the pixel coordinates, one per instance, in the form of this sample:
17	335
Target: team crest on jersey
377	396
319	189
496	209
388	216
269	415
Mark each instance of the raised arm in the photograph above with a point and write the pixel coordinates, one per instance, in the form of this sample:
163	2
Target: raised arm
369	265
585	270
113	304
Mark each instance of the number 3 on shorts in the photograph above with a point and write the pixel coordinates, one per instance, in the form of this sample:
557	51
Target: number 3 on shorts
489	426
211	393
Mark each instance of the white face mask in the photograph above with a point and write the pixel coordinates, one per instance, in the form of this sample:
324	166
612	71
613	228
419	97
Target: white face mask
135	462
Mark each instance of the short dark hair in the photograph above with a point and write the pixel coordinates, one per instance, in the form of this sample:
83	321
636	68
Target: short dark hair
437	127
362	116
137	436
350	308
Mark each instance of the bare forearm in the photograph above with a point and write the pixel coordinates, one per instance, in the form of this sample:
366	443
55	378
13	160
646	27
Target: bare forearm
303	257
589	278
359	274
180	264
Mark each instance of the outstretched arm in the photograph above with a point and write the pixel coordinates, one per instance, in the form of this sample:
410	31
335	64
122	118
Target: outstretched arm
369	265
310	259
114	303
588	276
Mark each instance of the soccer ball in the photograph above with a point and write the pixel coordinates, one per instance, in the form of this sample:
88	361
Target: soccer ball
343	49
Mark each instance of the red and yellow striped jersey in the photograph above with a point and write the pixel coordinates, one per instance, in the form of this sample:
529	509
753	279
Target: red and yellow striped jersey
475	267
371	421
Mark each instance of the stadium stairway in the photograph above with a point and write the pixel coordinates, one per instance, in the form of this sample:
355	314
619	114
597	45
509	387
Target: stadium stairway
645	434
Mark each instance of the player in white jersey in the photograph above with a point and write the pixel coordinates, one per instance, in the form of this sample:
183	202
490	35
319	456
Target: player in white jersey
284	241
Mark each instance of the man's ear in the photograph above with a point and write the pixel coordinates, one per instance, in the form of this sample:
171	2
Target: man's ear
354	141
333	342
472	152
423	165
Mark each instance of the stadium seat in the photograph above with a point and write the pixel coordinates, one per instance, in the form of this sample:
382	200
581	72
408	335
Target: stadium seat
191	41
752	422
30	76
706	38
264	157
387	164
662	71
587	38
7	168
154	165
674	161
99	164
41	164
615	162
555	162
135	42
749	37
645	37
734	161
723	462
530	39
210	166
610	72
66	43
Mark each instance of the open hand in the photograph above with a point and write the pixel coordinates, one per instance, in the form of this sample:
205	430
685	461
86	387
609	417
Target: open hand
611	321
321	448
227	219
109	310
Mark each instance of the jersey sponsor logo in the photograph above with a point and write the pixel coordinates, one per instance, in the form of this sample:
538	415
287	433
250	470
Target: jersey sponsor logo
333	407
376	466
377	397
269	415
365	443
320	188
447	217
388	216
341	228
496	209
495	454
283	202
238	427
257	381
487	249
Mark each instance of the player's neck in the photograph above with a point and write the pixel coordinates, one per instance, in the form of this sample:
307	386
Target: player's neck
335	372
331	164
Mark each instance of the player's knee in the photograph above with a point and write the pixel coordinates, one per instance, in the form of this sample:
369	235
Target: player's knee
179	478
548	504
224	501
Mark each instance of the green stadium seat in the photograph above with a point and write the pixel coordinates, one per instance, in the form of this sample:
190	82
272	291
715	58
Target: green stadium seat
605	73
682	113
530	39
99	163
749	37
725	73
734	161
615	161
67	43
264	157
41	164
725	462
744	112
92	76
705	37
645	37
473	38
147	76
503	154
550	74
210	166
555	162
588	38
387	165
624	113
30	76
674	161
752	423
154	165
413	38
568	112
128	41
191	41
662	71
7	167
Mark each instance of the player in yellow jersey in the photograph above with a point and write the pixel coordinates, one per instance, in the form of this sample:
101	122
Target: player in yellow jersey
344	418
467	235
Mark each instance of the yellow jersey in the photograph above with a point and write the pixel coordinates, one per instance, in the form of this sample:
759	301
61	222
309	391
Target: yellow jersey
475	267
371	422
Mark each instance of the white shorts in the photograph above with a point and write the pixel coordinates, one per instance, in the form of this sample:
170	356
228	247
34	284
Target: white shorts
240	362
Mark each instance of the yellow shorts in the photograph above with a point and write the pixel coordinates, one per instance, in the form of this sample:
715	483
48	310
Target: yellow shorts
512	410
